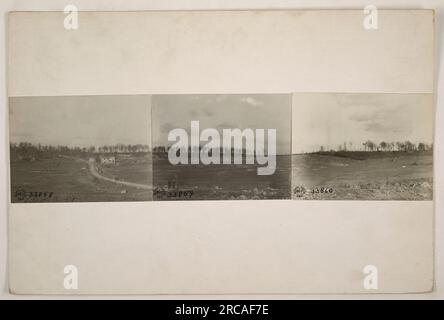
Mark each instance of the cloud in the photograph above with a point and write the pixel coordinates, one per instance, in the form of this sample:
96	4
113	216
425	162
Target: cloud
227	125
251	101
194	113
167	127
384	120
22	134
201	112
208	112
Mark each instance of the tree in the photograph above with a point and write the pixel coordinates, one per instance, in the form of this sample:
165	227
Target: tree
392	146
421	147
365	145
408	146
383	145
369	145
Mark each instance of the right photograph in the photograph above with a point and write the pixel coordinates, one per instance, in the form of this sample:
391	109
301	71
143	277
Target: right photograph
361	146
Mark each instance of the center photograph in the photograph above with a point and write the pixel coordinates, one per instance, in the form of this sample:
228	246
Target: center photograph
221	146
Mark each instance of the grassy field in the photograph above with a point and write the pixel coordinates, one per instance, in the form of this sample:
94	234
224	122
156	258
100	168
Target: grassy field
328	175
136	169
62	179
363	176
219	182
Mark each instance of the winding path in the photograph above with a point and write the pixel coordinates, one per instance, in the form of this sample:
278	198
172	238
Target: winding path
95	173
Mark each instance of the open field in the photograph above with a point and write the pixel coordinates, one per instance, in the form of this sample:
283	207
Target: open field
327	175
69	179
219	182
349	175
135	169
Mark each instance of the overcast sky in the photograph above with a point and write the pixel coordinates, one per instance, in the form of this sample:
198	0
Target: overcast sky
81	120
329	120
221	111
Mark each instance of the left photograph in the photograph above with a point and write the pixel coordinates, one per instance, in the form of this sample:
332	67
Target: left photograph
80	148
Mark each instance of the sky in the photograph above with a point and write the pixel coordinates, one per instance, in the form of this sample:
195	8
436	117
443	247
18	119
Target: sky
223	111
329	120
319	119
81	120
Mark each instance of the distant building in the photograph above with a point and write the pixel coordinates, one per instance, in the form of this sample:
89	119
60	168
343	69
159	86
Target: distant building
107	160
26	158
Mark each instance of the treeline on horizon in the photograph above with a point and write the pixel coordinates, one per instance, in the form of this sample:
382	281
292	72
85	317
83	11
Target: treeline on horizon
27	149
370	146
163	149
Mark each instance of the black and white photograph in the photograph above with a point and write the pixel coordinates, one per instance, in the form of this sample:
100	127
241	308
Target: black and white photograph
223	151
221	146
80	149
362	146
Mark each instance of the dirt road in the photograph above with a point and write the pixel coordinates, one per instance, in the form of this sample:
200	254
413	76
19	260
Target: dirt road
93	170
95	173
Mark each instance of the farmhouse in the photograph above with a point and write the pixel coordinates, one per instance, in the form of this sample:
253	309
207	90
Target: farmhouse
26	158
107	160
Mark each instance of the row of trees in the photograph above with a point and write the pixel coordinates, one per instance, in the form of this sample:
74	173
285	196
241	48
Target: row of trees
406	146
29	149
122	148
397	146
165	149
